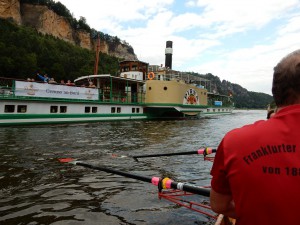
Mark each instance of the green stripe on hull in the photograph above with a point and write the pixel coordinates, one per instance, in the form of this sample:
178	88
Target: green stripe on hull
59	119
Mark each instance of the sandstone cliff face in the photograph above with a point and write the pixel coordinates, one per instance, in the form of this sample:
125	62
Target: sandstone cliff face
48	22
10	9
85	40
122	52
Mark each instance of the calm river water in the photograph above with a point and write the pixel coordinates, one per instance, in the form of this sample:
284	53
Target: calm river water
37	189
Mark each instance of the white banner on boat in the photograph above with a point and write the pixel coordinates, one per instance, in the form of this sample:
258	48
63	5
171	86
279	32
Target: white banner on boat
34	89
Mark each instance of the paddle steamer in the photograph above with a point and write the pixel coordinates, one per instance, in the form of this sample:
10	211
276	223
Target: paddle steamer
138	92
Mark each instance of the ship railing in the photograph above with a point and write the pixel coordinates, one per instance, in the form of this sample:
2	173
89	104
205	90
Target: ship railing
6	82
225	103
7	90
122	98
116	99
221	106
6	86
184	76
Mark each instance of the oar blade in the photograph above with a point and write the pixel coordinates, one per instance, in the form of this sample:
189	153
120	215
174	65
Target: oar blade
66	160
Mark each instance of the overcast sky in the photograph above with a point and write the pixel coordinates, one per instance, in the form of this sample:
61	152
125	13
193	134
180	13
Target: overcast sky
237	40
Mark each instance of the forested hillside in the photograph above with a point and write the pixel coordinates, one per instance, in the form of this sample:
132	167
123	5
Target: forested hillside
23	52
241	96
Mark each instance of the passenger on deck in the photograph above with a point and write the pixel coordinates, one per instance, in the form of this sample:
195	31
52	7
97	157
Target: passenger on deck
69	83
256	169
30	80
52	81
91	85
62	82
44	78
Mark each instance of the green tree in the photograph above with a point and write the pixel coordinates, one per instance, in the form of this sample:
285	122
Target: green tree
23	52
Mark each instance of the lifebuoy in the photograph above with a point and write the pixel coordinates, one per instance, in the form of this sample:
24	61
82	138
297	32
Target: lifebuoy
151	76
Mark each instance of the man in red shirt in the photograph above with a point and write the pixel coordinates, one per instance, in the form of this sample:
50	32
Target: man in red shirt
256	172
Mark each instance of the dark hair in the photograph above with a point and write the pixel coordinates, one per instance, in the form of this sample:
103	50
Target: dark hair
286	80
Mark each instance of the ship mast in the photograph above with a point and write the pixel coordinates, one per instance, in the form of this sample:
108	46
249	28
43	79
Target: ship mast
97	55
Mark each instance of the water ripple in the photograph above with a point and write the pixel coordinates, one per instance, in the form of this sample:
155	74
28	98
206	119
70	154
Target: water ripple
36	189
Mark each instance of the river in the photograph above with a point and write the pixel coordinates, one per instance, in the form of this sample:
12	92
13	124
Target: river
36	188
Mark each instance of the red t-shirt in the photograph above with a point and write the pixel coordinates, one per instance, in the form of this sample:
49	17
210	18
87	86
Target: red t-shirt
259	165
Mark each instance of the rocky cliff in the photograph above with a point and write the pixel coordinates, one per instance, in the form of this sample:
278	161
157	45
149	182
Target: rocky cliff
46	21
10	9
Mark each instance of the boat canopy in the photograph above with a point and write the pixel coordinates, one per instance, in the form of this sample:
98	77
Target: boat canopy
103	76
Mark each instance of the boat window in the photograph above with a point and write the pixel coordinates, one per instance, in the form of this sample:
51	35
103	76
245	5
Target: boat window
63	109
118	109
149	88
137	110
9	108
113	109
94	109
22	109
87	109
133	110
208	110
165	88
214	110
53	109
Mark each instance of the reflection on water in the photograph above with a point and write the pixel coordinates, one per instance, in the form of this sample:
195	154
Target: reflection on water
36	189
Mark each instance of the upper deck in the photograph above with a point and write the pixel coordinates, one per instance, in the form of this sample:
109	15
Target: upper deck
109	89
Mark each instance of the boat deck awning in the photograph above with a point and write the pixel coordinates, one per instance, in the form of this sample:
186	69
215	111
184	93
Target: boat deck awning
107	76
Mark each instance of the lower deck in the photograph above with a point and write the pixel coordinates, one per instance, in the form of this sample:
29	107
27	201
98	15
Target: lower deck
17	111
34	112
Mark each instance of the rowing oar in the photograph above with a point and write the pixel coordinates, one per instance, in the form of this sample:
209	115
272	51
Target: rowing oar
164	183
201	151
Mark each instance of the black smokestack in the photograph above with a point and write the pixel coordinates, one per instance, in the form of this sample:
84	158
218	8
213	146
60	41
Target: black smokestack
169	52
